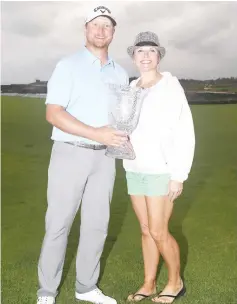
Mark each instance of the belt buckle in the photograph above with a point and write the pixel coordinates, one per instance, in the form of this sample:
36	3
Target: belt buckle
88	146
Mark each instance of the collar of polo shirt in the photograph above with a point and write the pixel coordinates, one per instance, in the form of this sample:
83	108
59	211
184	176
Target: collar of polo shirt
92	58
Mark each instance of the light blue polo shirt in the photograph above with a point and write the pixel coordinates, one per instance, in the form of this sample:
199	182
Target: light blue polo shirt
78	84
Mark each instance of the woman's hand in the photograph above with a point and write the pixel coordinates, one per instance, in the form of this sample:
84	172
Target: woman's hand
175	189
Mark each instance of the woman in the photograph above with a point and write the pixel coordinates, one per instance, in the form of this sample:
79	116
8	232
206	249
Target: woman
164	145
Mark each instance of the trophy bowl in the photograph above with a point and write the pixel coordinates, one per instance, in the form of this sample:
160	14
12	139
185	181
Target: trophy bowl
124	116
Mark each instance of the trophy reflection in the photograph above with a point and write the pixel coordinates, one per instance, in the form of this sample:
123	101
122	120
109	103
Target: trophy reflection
124	116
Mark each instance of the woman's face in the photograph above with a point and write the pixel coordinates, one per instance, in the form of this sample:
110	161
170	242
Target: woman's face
146	58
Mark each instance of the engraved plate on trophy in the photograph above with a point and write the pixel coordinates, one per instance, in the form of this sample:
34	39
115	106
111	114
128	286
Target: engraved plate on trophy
124	116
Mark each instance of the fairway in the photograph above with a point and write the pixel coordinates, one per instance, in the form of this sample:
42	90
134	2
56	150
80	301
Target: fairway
204	219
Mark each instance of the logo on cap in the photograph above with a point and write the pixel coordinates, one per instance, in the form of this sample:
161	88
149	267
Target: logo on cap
102	9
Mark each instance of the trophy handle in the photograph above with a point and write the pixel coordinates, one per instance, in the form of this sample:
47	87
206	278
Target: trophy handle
112	120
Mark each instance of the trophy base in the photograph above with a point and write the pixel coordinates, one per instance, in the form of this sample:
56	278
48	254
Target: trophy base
123	152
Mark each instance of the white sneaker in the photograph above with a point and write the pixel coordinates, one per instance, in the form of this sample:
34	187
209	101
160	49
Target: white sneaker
46	300
95	296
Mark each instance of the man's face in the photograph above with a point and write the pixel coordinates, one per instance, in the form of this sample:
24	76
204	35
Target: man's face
99	32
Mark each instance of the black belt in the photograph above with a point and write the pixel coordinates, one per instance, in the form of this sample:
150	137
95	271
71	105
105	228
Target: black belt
85	145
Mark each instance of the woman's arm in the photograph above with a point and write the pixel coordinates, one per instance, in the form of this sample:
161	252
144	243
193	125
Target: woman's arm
184	143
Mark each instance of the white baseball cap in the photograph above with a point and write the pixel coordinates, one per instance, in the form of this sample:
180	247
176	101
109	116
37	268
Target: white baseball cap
100	11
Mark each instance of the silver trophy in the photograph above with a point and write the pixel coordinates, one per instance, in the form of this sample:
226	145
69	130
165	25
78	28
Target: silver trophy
124	115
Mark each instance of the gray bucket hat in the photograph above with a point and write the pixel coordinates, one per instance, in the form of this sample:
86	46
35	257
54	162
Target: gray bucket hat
146	38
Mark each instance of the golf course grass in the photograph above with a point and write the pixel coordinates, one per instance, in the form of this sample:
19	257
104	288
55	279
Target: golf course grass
203	222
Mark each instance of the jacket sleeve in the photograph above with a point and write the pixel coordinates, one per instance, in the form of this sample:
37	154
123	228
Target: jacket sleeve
183	141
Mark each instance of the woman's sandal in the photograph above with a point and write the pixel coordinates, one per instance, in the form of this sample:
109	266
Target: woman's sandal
178	295
134	297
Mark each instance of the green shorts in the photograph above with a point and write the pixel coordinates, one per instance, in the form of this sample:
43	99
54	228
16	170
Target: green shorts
147	184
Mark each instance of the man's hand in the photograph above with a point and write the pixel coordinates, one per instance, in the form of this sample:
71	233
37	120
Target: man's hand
175	189
109	136
58	117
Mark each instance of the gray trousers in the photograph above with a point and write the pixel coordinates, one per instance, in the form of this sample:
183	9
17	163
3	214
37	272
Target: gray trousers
75	174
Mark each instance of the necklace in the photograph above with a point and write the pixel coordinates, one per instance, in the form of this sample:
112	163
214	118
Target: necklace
150	83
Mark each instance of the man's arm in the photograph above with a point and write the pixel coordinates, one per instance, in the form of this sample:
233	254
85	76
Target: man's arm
61	119
58	97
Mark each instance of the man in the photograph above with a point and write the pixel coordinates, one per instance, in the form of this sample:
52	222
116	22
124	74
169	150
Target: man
77	107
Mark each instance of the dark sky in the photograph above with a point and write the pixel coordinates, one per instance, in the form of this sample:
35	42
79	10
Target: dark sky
200	37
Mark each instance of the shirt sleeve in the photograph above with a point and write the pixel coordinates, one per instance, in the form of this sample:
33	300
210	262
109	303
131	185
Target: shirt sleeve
59	86
184	142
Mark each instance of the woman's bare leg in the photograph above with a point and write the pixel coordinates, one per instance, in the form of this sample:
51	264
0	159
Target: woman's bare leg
149	248
159	212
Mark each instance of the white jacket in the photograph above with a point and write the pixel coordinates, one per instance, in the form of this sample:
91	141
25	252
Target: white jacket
164	139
